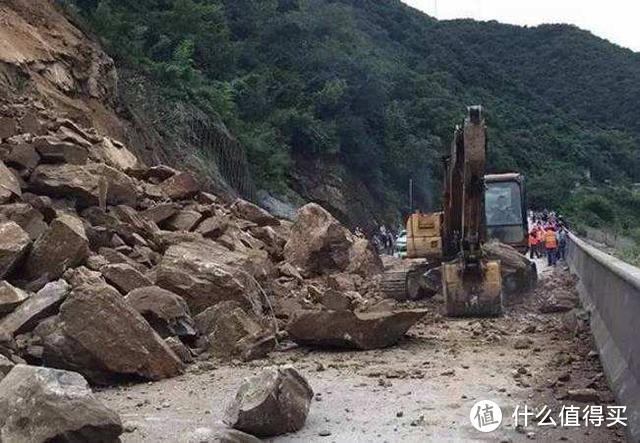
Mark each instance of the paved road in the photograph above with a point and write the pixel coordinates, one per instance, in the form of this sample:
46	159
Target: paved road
421	390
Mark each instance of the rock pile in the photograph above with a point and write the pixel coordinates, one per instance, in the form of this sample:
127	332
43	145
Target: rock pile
119	271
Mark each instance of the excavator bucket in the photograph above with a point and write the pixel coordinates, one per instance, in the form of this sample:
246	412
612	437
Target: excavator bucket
473	289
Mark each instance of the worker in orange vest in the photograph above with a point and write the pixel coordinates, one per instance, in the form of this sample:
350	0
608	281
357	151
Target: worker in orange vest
540	246
533	243
551	245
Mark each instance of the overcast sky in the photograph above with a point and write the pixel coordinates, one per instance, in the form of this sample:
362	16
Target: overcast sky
615	20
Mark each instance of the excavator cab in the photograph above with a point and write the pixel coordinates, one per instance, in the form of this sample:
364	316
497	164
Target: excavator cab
506	209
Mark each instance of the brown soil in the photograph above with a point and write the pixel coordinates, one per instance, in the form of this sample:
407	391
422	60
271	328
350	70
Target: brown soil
420	390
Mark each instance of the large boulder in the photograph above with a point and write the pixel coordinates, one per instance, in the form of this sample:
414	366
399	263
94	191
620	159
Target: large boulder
274	402
63	246
318	243
351	330
42	404
519	274
166	312
14	244
205	273
363	259
85	184
99	335
9	184
10	297
37	307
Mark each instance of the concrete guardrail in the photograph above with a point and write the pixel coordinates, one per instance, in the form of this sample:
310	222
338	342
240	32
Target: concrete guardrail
610	290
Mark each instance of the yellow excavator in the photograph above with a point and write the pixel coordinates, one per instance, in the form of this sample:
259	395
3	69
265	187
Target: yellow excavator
448	244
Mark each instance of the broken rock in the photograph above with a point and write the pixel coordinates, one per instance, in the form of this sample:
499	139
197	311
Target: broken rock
586	395
10	297
248	211
519	274
63	246
274	402
124	277
14	243
27	217
6	366
180	186
183	221
166	312
352	330
231	332
37	307
85	183
179	348
318	243
53	150
363	259
205	273
9	184
78	340
219	434
42	404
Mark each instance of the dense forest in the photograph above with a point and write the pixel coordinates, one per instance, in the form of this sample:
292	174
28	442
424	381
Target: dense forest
370	89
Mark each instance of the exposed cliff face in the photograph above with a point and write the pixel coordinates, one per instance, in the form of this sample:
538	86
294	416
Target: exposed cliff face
52	68
46	58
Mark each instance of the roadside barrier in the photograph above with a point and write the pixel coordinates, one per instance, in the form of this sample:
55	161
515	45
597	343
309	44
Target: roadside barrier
610	291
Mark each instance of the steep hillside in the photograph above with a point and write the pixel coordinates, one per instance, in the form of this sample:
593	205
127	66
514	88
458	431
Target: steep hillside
343	102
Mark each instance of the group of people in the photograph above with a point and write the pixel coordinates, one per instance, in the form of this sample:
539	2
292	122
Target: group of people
547	236
383	239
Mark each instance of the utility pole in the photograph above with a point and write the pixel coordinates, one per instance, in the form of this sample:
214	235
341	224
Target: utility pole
410	196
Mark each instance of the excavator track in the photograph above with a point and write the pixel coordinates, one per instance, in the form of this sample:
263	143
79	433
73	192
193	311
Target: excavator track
412	282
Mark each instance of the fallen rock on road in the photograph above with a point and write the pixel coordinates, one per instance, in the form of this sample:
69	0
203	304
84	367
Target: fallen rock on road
274	402
219	435
41	404
319	245
351	330
103	338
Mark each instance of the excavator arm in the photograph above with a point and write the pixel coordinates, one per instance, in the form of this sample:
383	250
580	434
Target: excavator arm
471	282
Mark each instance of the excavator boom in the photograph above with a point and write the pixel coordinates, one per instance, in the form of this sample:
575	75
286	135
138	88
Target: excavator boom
471	283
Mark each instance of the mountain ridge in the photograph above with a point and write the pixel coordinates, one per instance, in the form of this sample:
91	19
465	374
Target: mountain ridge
368	92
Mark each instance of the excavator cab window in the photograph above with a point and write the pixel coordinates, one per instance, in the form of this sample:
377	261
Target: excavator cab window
503	204
504	211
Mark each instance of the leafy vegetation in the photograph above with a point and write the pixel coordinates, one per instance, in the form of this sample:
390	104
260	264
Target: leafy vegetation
374	87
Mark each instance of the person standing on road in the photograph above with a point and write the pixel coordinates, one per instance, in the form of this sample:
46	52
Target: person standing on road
540	245
533	243
551	245
562	242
